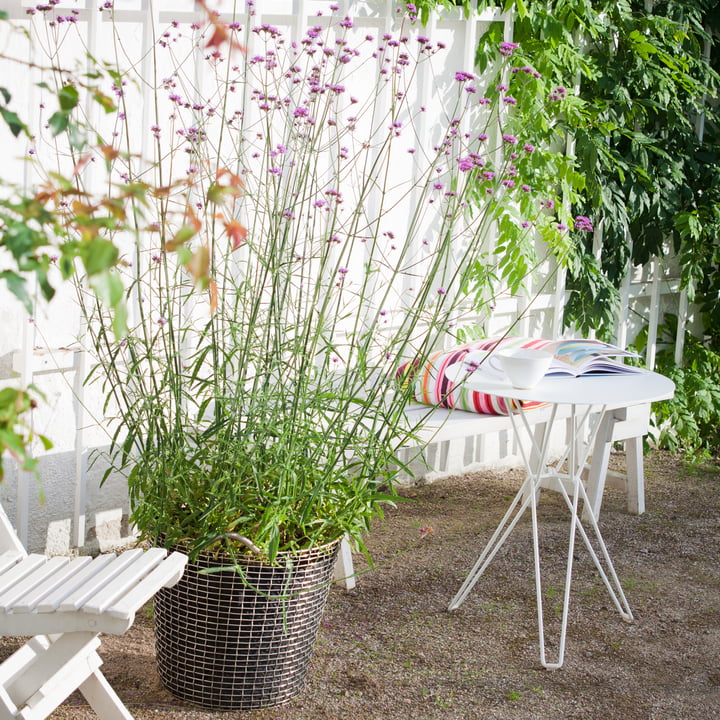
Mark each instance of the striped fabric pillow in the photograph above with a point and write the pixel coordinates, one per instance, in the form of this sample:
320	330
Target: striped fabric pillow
432	387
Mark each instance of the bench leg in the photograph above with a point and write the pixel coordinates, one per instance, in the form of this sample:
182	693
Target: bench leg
344	571
635	476
535	456
599	467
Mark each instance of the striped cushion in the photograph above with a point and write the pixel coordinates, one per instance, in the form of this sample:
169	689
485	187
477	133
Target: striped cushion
432	387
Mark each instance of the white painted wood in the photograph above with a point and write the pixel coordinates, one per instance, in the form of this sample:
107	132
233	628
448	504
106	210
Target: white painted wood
29	584
681	328
21	659
94	583
18	572
10	558
61	656
164	575
79	526
32	599
654	318
37	686
635	475
124	581
103	699
72	583
9	541
621	325
344	572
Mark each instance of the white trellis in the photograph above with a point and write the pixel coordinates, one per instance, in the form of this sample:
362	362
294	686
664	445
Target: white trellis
42	351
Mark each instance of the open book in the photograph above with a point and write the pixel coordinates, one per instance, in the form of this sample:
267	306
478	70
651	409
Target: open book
587	357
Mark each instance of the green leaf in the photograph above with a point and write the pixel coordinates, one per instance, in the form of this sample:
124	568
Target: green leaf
109	289
68	98
105	101
108	286
17	286
185	233
13	121
58	122
98	255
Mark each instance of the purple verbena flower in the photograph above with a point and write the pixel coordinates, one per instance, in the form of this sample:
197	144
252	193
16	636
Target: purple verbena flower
583	223
462	76
508	48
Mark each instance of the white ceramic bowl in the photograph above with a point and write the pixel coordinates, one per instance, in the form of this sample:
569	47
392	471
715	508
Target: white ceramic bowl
526	367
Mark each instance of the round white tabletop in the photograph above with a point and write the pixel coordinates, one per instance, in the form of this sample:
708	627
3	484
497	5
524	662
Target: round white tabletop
609	389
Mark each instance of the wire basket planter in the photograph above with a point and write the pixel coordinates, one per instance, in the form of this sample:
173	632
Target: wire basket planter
225	642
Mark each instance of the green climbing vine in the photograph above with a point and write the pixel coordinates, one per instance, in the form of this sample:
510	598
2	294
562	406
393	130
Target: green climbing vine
646	131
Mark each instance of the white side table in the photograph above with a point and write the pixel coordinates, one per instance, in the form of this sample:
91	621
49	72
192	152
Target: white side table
586	395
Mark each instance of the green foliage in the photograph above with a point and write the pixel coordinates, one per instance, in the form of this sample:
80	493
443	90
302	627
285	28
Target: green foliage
652	180
533	110
38	237
642	80
689	422
11	118
16	435
424	7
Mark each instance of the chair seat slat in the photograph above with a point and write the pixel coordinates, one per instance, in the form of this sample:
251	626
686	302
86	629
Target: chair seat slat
164	575
18	572
51	602
124	582
9	558
95	583
33	582
43	598
31	599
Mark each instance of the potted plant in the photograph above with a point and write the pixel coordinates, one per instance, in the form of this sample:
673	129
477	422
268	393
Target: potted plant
288	238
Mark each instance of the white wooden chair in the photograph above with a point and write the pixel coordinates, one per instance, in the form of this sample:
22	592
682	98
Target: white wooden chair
64	604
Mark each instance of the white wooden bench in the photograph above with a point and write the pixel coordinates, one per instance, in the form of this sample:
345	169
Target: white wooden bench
627	425
64	604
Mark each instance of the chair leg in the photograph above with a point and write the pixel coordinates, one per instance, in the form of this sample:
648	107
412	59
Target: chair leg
45	671
103	699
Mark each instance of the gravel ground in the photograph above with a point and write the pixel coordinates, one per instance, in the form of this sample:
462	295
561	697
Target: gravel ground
389	650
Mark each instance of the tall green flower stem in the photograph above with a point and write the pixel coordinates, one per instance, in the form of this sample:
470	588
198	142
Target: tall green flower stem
294	238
